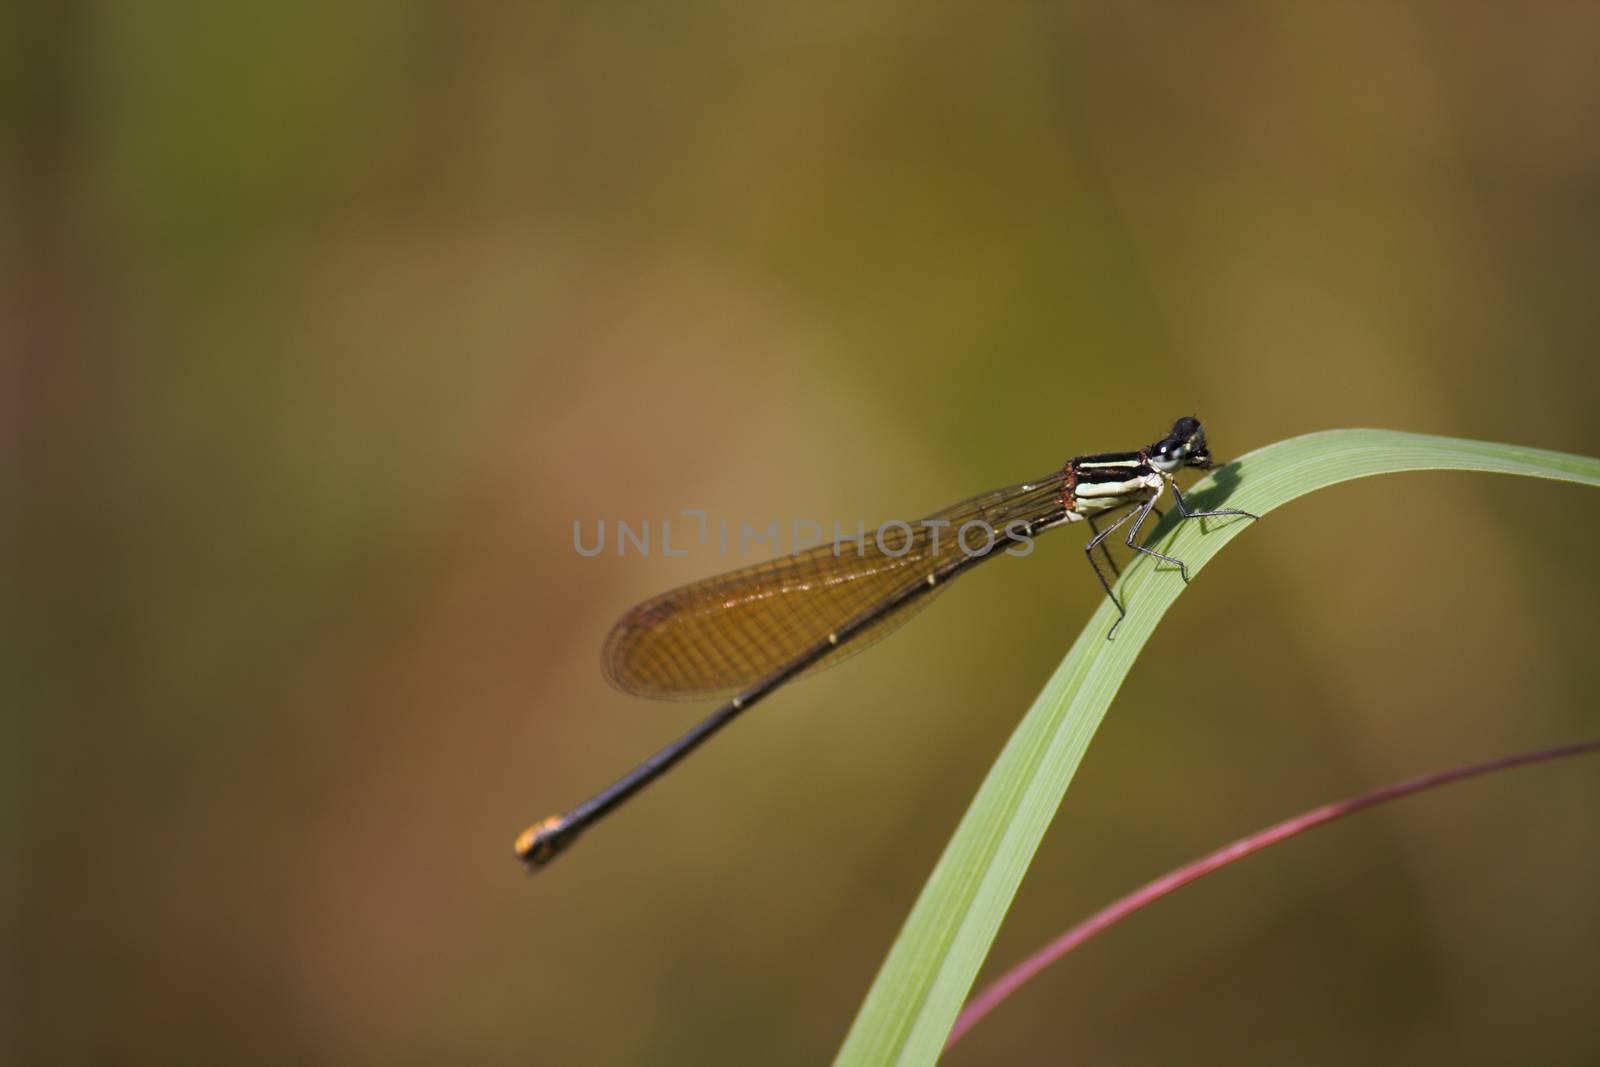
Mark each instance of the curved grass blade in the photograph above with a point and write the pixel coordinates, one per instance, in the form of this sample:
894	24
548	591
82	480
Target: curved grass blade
919	990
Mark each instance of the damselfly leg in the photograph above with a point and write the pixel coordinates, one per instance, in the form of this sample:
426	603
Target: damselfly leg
1183	509
1116	572
1133	535
1139	513
1105	549
1098	541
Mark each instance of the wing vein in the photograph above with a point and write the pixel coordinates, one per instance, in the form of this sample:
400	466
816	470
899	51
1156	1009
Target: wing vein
718	635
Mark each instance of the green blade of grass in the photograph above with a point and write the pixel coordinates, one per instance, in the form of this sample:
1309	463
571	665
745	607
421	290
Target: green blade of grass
920	987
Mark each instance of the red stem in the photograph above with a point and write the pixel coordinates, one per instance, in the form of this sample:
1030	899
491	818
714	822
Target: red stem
1012	980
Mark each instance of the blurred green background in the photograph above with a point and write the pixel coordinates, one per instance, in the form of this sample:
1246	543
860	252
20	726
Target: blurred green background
333	318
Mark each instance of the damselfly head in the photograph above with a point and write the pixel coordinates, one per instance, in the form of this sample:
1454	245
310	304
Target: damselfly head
1185	445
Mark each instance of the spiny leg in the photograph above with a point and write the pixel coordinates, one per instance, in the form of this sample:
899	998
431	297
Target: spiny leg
1184	512
1133	535
1105	550
1088	550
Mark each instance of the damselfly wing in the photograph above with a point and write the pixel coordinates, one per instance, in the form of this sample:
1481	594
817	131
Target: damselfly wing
721	635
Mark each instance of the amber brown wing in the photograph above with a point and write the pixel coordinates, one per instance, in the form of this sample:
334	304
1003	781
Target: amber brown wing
720	635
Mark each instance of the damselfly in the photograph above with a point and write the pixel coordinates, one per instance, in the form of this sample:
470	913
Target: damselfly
746	633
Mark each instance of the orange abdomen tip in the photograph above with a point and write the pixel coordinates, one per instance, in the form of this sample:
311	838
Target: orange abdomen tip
538	844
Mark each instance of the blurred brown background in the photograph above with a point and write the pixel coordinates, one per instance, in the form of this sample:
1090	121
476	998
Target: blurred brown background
332	318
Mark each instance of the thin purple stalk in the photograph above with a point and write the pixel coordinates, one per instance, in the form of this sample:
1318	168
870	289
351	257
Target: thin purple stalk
1014	979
